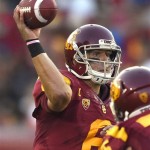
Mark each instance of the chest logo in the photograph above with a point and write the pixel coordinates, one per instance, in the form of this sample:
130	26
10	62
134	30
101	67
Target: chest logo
86	103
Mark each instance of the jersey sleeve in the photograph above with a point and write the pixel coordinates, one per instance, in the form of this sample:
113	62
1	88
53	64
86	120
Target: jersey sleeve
40	97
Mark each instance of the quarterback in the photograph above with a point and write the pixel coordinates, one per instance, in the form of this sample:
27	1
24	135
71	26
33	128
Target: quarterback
71	106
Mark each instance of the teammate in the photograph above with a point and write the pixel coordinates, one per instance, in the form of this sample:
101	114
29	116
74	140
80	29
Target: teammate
70	112
130	94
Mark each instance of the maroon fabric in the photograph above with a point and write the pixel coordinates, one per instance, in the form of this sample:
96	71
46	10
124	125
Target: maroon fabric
138	136
67	130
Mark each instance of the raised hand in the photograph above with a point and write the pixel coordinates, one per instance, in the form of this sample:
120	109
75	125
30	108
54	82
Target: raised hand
25	32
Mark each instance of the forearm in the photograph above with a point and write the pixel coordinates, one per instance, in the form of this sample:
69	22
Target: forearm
50	76
57	91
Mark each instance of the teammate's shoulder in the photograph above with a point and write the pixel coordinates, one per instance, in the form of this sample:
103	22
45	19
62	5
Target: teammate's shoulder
143	119
140	119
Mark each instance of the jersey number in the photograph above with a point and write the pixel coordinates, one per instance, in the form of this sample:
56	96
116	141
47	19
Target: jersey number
91	139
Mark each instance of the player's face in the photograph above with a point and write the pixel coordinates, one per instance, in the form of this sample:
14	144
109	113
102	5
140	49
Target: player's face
99	56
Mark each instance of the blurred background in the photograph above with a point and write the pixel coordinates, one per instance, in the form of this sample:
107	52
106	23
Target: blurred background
129	20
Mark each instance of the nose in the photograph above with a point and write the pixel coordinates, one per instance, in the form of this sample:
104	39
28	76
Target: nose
103	56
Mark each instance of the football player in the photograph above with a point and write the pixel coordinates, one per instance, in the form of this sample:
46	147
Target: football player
71	106
130	95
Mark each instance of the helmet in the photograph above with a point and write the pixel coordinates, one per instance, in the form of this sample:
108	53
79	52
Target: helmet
130	91
92	37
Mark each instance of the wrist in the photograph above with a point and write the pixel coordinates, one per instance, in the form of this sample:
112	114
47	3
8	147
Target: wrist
34	47
32	40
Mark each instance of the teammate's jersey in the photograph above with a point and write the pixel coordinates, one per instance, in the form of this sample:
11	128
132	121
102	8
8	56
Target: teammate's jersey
78	126
133	134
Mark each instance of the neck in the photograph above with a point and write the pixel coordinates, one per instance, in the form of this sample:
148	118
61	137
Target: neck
95	87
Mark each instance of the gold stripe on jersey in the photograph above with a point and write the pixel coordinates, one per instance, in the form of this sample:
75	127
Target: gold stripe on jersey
42	87
118	133
67	80
144	121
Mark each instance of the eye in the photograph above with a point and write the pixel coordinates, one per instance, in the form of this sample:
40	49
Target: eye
111	55
94	53
108	53
94	58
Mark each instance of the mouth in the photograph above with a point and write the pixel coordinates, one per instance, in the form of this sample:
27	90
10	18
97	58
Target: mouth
102	70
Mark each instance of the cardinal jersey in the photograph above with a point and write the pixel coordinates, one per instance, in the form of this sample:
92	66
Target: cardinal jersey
78	126
133	134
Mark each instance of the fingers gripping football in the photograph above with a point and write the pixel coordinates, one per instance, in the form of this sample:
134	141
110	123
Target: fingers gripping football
38	13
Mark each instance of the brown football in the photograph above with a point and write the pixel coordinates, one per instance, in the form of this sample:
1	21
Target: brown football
38	13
